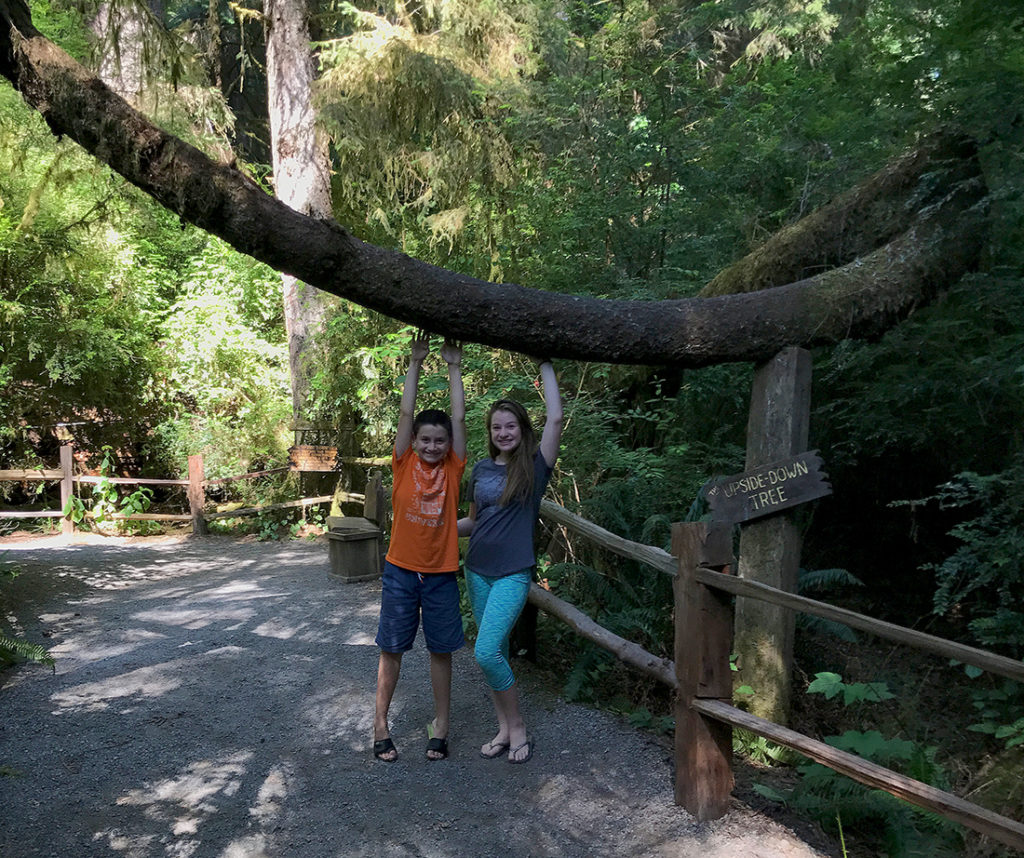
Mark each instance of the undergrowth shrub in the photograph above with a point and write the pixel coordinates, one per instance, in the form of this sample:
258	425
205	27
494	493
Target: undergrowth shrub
982	582
845	807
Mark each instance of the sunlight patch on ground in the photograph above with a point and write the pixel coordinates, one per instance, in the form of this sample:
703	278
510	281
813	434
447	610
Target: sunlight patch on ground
185	802
146	683
360	639
103	648
277	628
133	845
253	846
343	716
193	618
193	790
272	794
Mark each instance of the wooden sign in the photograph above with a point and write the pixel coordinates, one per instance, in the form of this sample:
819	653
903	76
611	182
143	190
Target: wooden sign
768	489
313	457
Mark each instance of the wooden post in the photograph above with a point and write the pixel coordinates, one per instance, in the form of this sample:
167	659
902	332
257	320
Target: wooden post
778	425
197	494
67	486
374	502
703	640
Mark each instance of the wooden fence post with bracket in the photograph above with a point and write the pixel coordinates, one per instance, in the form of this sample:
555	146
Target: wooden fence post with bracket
197	494
67	486
703	642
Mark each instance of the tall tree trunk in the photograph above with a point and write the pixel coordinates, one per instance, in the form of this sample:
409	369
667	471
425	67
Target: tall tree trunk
861	298
301	174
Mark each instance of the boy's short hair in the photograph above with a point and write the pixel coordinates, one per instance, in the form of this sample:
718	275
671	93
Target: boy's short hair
432	417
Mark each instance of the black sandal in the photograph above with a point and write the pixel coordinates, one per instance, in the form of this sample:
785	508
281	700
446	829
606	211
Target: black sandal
437	746
385	746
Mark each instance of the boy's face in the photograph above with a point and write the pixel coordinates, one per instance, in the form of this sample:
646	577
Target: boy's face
431	443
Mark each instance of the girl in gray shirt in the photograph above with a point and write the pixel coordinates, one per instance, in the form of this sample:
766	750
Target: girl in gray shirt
505	494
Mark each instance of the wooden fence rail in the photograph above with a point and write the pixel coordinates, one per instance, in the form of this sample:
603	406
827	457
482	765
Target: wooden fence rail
195	486
701	674
661	560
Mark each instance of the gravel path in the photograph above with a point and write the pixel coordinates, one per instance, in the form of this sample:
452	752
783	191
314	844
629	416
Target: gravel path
214	697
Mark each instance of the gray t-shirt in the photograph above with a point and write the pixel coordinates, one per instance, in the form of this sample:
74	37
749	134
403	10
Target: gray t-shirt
502	538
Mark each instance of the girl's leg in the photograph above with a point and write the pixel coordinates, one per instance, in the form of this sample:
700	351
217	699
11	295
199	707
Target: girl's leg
497	603
506	704
388	669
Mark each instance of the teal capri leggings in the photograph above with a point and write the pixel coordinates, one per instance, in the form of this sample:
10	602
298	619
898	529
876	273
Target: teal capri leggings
496	605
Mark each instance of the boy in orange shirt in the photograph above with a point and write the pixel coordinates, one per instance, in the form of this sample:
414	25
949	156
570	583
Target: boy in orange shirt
423	557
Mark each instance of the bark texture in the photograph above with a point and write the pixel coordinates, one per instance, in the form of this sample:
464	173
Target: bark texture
301	175
861	298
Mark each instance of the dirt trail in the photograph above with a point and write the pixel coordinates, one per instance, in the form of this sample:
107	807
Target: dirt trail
213	697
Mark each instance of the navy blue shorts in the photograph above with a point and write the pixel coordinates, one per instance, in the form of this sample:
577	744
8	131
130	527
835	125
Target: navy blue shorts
404	596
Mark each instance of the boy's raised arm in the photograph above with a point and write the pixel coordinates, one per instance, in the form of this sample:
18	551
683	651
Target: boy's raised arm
452	354
407	411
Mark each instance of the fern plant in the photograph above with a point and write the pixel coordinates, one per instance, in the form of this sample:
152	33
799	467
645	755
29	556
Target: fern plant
822	581
829	797
12	649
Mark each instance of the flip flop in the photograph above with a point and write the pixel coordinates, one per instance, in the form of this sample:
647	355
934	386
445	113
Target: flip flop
385	746
496	750
529	752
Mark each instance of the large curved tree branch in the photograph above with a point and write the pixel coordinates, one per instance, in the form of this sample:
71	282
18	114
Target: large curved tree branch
864	297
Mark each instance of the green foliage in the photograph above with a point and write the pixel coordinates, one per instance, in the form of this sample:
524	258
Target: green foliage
873	814
983	579
823	580
12	648
831	685
998	704
644	719
107	501
227	370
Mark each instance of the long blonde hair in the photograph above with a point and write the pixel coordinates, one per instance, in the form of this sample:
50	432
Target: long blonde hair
519	469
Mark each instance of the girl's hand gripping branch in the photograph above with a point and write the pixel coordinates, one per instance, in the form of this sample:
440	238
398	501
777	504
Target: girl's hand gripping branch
551	437
452	354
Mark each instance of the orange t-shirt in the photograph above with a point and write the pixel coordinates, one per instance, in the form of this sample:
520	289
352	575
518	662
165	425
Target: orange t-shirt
425	506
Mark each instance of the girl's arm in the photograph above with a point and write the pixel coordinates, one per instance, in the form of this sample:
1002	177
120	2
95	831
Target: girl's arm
552	435
407	411
467	524
452	354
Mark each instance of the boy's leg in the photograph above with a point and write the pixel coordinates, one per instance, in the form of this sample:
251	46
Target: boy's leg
388	669
441	684
442	630
396	631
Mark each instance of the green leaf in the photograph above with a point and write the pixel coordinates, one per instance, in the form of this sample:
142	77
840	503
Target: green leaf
829	684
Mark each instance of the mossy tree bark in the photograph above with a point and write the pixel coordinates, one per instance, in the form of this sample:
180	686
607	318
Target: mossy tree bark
301	173
861	298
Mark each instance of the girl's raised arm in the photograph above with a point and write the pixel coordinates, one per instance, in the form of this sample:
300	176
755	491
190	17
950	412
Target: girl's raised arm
452	354
552	435
418	351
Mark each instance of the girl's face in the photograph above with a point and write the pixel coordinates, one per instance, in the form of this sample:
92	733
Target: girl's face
431	443
506	433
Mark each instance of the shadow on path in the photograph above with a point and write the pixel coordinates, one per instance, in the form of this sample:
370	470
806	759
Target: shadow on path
214	697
